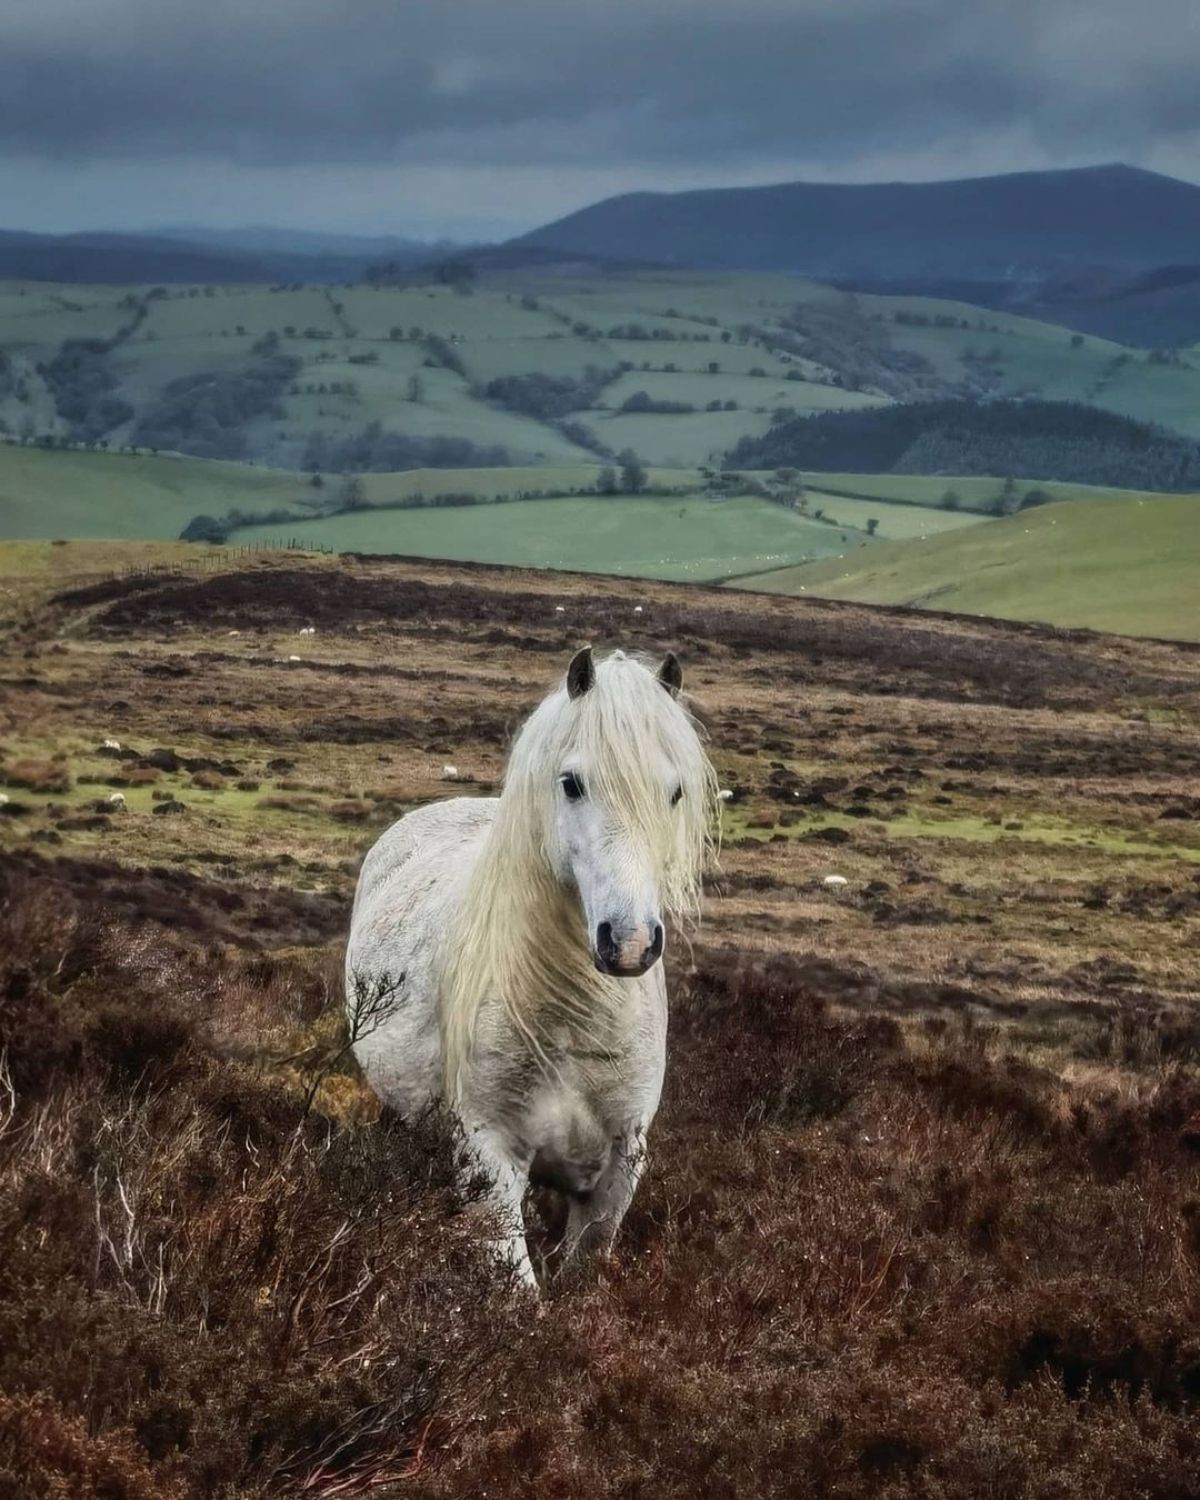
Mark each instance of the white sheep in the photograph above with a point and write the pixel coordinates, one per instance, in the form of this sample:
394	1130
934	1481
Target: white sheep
233	632
4	799
293	658
560	609
835	881
111	745
637	609
725	794
449	773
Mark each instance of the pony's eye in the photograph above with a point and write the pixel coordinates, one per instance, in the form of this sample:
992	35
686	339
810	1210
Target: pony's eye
675	795
572	786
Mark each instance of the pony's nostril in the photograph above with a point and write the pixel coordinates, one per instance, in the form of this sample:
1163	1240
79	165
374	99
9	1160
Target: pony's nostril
656	943
605	947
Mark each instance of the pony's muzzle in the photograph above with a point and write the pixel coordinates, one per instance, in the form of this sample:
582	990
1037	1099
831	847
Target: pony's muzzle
627	954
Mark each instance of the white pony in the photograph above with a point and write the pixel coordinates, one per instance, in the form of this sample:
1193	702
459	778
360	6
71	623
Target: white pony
518	939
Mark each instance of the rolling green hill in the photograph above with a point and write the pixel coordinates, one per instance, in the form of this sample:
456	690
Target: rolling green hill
416	362
1128	565
531	380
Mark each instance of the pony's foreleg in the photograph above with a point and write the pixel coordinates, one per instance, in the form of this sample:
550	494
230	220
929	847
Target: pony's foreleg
592	1222
507	1180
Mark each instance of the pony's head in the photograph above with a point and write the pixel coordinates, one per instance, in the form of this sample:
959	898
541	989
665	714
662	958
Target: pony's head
622	798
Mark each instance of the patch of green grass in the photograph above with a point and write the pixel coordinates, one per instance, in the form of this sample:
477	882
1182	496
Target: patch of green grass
48	493
894	521
676	441
1126	565
975	492
969	829
751	392
68	493
688	537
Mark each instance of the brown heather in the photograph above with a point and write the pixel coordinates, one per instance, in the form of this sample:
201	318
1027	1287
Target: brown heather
923	1212
860	1266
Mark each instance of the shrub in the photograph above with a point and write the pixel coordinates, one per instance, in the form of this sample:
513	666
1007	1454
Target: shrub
205	529
633	472
640	401
375	450
548	397
37	775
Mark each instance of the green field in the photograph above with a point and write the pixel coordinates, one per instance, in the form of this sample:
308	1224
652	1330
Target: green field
974	492
416	361
69	493
894	522
1130	565
680	336
689	538
1082	563
81	494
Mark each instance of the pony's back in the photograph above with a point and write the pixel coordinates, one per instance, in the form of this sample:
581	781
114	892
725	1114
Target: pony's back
409	887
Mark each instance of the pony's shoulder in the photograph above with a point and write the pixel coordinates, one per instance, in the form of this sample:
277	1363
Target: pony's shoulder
451	813
436	832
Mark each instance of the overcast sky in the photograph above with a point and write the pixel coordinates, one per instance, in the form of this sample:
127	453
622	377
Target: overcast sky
478	118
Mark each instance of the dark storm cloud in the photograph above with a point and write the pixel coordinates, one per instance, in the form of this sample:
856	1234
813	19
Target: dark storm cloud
480	117
477	81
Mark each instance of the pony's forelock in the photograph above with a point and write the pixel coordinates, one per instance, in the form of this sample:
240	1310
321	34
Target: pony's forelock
626	731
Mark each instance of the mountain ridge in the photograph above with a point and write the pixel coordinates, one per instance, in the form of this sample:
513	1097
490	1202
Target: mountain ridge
986	228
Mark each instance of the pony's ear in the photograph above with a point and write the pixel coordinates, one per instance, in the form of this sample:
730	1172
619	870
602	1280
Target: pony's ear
670	674
581	674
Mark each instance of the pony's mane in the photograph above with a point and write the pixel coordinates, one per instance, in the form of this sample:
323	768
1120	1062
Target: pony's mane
519	936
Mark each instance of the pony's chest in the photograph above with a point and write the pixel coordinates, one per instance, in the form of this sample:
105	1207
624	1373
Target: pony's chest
569	1129
565	1118
585	1089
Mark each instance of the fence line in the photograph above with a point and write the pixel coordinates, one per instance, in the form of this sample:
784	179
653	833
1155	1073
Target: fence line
213	562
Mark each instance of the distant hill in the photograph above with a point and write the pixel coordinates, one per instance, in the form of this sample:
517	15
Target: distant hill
1040	439
975	229
119	259
316	255
203	256
1157	309
1128	565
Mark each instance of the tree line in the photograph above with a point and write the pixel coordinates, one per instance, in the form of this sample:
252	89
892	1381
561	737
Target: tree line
1061	440
205	413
